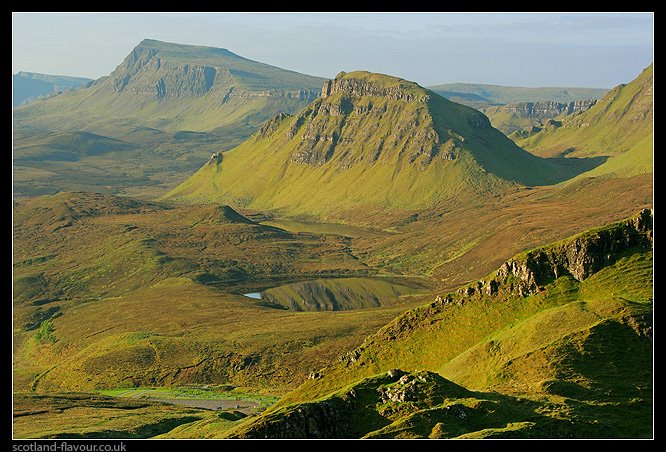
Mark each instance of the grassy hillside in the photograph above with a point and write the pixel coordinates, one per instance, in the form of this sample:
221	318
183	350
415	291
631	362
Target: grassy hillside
154	100
556	343
497	94
370	142
621	122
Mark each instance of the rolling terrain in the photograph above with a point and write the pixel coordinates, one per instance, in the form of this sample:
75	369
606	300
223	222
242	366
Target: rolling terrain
367	259
121	292
170	105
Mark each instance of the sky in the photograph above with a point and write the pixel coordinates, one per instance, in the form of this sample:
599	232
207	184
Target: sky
586	50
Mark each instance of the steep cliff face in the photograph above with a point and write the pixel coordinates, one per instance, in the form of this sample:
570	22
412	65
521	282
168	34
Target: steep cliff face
523	115
580	257
403	90
151	70
546	109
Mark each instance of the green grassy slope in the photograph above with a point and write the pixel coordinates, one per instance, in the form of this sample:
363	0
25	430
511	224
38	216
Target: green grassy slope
81	415
620	122
558	339
374	141
508	94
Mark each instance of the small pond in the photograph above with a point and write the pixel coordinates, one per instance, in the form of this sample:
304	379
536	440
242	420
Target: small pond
340	294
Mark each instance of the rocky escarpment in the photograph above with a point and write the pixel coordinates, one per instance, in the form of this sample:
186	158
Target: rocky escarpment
361	87
520	116
150	72
545	110
579	257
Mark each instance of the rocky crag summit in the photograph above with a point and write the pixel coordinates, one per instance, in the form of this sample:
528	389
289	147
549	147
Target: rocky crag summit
368	140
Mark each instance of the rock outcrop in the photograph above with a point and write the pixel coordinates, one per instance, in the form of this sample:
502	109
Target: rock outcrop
580	257
353	412
364	87
332	123
306	421
546	109
272	125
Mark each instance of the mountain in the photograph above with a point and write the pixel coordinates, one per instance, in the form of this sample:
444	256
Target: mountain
175	87
556	343
479	96
523	115
28	86
618	126
154	101
368	140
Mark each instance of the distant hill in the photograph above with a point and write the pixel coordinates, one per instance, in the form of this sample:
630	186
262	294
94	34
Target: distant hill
479	95
173	104
28	86
619	125
369	140
175	87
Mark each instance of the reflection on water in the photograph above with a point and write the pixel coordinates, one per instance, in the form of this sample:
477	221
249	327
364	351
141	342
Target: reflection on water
339	294
321	228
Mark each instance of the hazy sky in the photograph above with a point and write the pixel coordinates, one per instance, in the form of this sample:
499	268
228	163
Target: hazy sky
592	50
